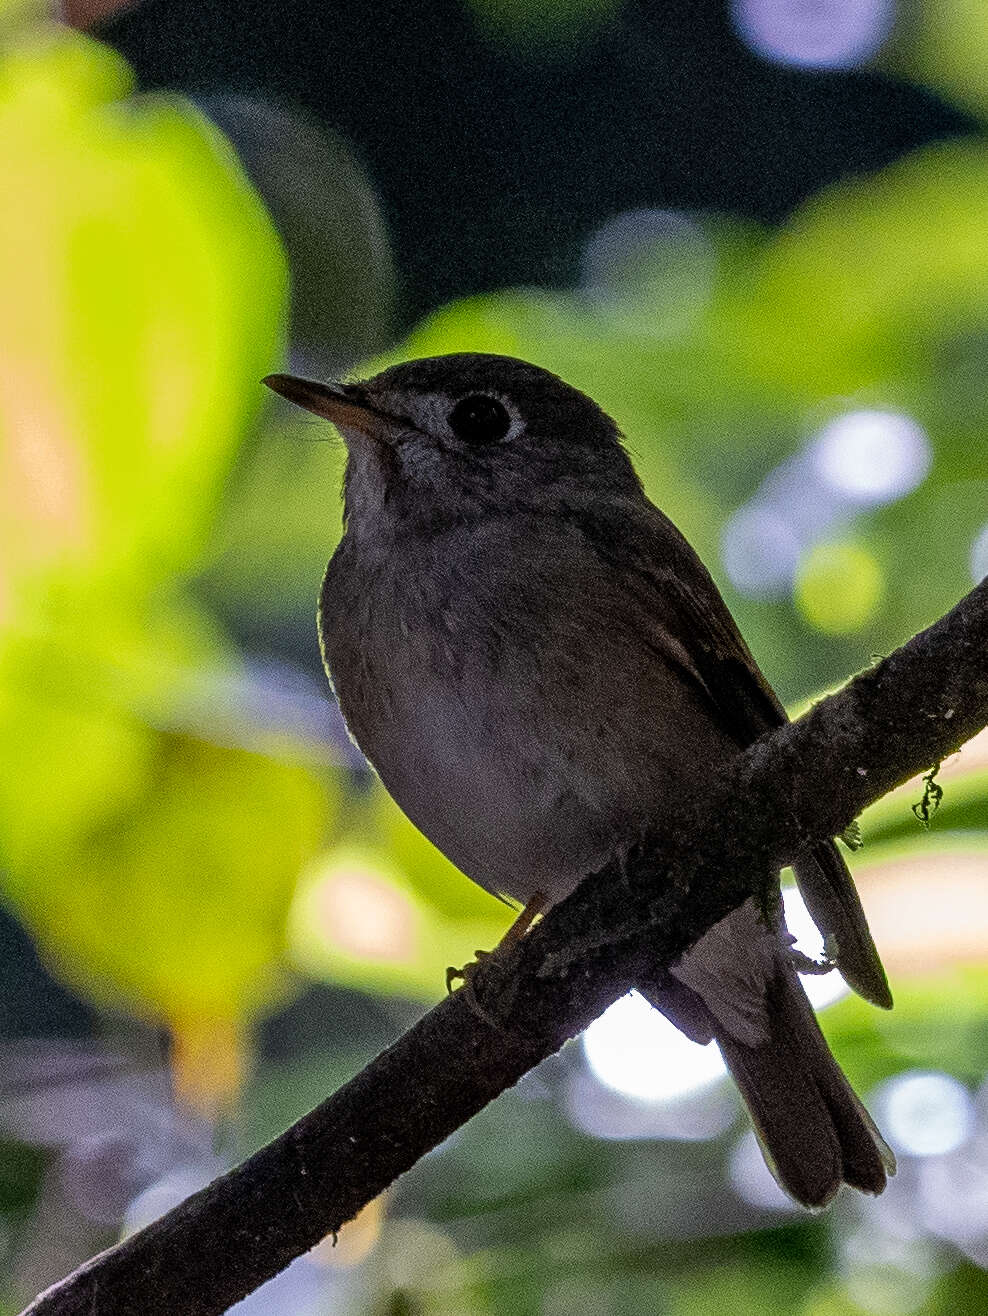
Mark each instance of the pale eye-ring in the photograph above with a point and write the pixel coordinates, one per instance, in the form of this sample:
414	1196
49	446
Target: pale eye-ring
479	419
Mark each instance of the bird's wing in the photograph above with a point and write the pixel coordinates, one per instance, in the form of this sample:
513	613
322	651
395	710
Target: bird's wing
687	606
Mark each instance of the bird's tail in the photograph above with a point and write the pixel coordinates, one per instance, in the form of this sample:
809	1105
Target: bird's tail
814	1132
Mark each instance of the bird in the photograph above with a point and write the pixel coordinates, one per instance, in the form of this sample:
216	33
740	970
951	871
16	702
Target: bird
538	665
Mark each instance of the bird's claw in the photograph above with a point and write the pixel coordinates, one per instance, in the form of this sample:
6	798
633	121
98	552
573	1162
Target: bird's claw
807	964
466	975
504	956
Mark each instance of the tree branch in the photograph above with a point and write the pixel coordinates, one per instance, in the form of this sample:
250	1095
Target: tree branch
807	780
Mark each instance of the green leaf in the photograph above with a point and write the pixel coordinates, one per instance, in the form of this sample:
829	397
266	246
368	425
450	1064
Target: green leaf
176	907
141	296
859	288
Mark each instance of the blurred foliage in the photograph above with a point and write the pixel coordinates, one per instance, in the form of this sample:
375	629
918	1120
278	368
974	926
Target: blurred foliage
126	389
839	587
190	843
554	24
945	44
330	223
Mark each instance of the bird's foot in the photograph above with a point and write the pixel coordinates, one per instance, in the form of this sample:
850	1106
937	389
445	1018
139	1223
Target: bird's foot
466	975
503	956
807	964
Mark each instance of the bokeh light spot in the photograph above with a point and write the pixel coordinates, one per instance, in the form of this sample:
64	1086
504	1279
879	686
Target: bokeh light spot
760	550
924	1113
814	33
635	1050
364	915
953	1195
839	587
655	268
885	1273
873	457
979	555
603	1112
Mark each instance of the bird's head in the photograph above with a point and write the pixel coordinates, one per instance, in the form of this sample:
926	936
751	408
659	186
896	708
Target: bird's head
448	438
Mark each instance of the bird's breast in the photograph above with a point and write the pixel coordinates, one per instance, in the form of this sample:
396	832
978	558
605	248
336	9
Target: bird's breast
431	695
512	704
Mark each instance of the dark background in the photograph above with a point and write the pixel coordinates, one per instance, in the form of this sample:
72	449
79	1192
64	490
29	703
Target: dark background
494	162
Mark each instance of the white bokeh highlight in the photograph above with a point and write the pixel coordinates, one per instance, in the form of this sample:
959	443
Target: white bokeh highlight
872	457
697	1116
857	461
760	550
979	555
886	1274
952	1200
634	1050
925	1113
655	269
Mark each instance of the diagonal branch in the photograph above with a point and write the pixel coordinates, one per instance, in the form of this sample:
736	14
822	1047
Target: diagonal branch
808	779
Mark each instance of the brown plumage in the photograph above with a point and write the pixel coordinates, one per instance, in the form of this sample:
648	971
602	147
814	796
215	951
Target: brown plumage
538	665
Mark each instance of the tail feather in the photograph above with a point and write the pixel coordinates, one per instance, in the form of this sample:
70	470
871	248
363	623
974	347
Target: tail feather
832	900
814	1131
738	986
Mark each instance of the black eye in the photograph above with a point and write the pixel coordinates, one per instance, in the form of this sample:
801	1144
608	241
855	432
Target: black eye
479	419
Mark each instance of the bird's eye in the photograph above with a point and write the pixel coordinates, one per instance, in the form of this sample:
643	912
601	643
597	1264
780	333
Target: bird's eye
479	419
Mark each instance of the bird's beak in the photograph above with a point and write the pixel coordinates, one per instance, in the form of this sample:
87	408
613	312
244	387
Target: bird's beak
339	403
